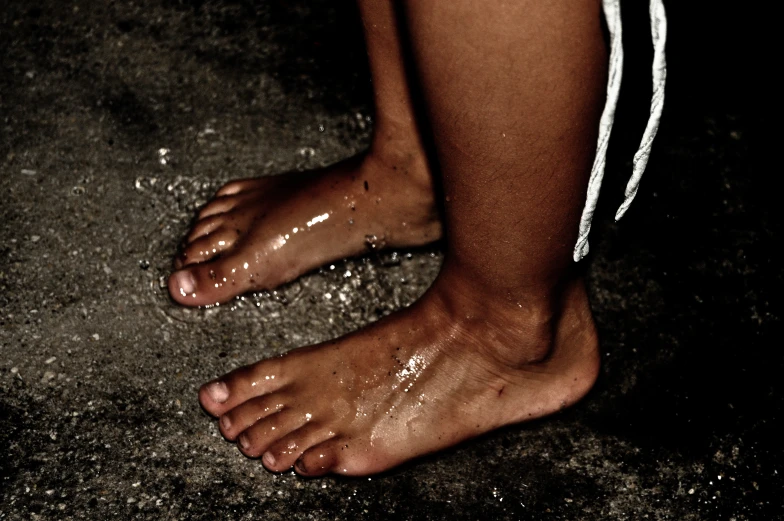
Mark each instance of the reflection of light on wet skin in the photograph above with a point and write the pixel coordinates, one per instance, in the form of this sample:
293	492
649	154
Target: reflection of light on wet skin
318	219
279	242
414	367
182	292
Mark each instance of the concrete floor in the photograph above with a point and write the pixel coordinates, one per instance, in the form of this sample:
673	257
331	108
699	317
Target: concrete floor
119	119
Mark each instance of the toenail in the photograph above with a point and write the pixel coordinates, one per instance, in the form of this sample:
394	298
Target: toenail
218	392
268	459
244	441
300	466
225	422
185	281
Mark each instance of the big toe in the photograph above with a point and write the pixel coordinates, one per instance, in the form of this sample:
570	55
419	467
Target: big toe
220	396
213	282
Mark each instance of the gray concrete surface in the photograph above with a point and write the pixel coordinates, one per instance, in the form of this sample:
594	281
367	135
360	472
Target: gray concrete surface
119	119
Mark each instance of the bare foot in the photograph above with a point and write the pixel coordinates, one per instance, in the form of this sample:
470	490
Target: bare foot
261	233
450	367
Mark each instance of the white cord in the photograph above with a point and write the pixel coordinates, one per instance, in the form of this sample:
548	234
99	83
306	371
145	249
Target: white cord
612	14
659	35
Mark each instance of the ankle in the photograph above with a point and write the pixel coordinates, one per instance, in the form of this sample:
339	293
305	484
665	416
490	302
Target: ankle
398	180
507	336
397	148
514	332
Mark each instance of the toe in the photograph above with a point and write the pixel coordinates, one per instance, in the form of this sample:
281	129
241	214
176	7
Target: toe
207	247
281	455
319	460
218	205
257	438
182	286
240	418
235	388
213	282
240	185
205	226
226	203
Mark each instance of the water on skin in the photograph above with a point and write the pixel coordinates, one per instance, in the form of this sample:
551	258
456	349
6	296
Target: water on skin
327	303
353	293
275	245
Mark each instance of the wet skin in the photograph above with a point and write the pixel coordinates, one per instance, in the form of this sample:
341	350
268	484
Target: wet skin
505	334
420	380
260	233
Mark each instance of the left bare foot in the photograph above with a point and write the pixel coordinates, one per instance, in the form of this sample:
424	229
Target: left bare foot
260	233
453	366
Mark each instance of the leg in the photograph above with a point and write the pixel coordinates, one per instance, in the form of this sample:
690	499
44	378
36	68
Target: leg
505	334
260	233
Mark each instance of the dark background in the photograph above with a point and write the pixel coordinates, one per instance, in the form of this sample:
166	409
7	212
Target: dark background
685	421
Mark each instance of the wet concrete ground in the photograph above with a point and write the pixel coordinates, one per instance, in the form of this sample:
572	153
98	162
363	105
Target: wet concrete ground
119	119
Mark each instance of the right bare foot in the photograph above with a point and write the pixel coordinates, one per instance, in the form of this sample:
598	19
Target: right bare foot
458	363
260	233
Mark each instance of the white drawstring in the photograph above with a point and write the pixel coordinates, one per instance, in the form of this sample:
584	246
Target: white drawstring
612	14
659	35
